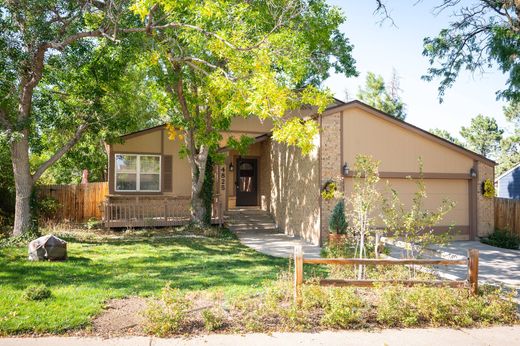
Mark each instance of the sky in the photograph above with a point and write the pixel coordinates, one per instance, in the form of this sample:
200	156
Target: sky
382	48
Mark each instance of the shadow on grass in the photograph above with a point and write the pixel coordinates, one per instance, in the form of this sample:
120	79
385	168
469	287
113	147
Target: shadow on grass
143	266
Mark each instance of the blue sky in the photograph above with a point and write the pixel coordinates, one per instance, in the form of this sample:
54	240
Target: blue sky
380	48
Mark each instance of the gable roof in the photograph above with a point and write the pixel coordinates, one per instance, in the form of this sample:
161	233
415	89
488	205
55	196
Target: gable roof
407	126
507	172
336	102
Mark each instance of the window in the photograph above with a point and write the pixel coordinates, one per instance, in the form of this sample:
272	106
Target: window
138	172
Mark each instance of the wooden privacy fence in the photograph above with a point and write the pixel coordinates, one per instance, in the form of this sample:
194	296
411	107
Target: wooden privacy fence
471	261
77	203
507	215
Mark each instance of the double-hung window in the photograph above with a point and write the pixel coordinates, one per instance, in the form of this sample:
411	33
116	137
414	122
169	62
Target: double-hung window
137	173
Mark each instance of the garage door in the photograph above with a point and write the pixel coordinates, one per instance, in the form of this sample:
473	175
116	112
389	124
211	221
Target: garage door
437	190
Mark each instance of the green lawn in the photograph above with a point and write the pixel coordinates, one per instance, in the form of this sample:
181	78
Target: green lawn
100	268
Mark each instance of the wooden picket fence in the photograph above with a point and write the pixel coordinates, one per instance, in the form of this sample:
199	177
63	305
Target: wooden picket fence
471	262
507	215
77	203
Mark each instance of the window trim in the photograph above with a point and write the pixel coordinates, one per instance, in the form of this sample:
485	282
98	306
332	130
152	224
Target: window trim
138	173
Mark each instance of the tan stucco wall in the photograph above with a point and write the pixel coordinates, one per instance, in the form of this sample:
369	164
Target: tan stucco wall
294	201
397	148
485	206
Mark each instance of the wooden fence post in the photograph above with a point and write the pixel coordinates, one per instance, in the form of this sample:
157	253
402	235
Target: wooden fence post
298	274
473	270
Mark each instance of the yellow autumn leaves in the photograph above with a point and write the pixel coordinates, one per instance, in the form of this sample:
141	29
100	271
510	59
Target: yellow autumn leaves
174	132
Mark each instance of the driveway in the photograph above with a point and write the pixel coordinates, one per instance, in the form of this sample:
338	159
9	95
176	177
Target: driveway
496	265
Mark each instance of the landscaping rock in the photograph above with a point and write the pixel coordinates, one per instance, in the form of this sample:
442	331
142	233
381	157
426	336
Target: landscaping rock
48	247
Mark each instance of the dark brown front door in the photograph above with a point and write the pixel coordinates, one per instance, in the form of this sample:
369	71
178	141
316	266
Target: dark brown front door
247	179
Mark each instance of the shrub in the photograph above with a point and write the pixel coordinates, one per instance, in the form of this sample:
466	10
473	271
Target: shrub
338	222
343	308
47	207
37	292
444	306
168	315
503	239
213	320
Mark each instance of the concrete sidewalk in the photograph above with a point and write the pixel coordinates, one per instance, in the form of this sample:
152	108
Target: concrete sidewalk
390	337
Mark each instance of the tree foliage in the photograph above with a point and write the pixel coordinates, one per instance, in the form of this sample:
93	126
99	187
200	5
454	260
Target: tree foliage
482	34
241	59
483	135
510	144
386	99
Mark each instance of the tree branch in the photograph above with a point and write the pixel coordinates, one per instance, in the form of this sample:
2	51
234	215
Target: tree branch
58	155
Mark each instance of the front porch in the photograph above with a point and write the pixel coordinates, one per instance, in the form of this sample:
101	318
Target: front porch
152	211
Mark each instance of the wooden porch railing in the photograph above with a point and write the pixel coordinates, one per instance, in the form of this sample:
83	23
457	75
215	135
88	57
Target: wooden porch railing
471	261
146	213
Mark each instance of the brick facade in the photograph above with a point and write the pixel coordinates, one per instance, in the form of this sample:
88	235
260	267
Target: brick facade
331	163
485	206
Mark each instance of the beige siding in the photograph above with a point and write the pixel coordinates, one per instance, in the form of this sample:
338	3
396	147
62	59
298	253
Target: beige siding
181	185
146	143
397	148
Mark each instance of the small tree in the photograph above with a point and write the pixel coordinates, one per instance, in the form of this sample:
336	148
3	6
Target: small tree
364	199
338	222
415	225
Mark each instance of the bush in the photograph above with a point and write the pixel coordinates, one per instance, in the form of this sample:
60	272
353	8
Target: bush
37	292
503	239
338	222
212	320
168	315
47	207
344	308
444	306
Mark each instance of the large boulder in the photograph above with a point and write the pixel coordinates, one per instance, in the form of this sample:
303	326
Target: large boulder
48	247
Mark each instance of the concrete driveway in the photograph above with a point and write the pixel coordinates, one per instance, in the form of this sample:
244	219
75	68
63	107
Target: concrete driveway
496	265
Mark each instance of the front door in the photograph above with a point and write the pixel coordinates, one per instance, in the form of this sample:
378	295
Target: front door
246	183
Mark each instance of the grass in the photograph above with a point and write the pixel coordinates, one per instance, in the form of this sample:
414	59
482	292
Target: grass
111	265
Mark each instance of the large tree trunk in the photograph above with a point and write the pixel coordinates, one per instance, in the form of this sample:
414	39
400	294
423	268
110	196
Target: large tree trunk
23	183
198	207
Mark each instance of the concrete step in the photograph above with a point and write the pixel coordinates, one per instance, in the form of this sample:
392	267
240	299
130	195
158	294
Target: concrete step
250	219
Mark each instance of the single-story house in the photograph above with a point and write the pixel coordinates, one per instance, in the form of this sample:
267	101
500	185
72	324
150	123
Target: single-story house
146	167
508	183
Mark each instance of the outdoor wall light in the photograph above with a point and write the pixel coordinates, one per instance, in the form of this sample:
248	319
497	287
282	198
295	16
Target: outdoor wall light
473	172
231	168
345	169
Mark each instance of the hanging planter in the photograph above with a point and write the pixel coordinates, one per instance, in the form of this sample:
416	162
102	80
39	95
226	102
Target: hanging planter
488	188
329	190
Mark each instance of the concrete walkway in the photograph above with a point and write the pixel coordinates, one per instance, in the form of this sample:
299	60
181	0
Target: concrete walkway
257	230
390	337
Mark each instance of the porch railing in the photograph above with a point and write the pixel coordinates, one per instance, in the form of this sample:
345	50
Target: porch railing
146	213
